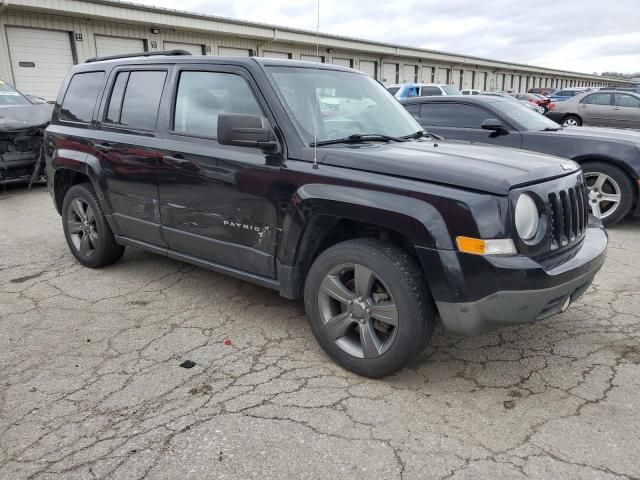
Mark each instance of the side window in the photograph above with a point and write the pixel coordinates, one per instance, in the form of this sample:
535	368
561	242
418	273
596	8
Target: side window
455	115
135	99
202	96
597	99
430	91
627	101
81	97
414	110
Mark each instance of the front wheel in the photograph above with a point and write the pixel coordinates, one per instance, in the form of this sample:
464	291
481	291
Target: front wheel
86	229
611	191
571	121
369	306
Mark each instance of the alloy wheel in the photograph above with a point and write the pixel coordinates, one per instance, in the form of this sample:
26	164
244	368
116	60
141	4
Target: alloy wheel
81	223
604	194
358	311
570	122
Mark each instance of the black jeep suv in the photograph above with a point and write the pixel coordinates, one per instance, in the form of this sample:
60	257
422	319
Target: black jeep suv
314	181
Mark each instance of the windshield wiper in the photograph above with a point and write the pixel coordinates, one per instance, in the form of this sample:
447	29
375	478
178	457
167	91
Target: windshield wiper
423	133
359	138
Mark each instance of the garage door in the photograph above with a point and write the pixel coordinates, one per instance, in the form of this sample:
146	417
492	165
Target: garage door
106	46
40	60
389	73
233	52
409	74
443	75
311	58
343	62
192	48
284	56
368	67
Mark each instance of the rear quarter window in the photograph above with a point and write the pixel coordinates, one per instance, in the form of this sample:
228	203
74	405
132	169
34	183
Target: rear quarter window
81	96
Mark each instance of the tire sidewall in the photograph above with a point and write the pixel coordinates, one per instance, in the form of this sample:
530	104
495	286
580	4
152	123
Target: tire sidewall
84	192
412	325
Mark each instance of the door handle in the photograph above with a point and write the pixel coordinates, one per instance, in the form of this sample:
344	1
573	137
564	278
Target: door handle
617	108
178	162
103	147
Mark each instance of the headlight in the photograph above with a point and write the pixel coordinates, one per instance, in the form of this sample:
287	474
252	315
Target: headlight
527	217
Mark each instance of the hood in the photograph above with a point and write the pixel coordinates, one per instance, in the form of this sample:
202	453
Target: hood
618	134
477	167
20	117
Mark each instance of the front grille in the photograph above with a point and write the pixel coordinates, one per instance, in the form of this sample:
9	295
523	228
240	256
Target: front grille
568	215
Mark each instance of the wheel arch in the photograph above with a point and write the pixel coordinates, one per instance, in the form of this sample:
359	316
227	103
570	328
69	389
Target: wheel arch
324	215
71	168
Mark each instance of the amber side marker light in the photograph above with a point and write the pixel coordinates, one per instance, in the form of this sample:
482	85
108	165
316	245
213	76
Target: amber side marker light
495	246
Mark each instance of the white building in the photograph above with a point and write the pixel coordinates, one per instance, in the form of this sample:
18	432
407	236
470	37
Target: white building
41	39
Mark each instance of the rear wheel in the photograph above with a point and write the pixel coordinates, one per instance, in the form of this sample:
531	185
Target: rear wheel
369	306
611	191
86	229
571	121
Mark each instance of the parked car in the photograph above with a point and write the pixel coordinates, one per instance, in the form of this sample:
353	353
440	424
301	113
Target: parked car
471	91
22	124
635	89
408	90
600	109
547	92
509	96
609	158
226	164
562	95
543	103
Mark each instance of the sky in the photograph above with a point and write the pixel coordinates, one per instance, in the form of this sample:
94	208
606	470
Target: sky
584	36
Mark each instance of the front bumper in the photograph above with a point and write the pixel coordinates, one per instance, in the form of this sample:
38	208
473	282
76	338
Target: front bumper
476	294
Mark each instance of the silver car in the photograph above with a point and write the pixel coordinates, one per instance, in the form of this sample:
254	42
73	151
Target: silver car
600	109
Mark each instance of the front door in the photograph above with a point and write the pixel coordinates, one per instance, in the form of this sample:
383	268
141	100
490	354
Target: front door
125	144
461	121
626	111
595	109
218	203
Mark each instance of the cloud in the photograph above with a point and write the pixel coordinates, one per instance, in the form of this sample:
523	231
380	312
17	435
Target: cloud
582	36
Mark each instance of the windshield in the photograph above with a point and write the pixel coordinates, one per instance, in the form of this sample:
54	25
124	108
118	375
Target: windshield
10	96
342	104
449	90
529	119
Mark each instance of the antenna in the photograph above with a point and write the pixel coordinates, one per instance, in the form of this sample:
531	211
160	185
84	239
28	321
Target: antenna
315	102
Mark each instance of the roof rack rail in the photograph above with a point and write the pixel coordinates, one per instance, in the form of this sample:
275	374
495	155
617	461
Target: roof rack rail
141	54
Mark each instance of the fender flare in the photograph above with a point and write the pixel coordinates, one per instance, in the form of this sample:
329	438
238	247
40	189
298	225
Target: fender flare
85	164
416	219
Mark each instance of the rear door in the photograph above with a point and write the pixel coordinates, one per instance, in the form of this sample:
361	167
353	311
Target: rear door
595	109
126	144
461	121
218	202
626	111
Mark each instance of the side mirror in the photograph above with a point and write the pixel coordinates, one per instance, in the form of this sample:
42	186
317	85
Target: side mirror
492	124
245	131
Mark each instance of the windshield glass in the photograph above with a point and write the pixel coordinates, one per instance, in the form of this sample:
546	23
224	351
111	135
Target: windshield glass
449	90
342	104
529	119
10	96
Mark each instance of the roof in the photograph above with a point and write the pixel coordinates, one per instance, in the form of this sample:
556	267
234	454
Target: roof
479	99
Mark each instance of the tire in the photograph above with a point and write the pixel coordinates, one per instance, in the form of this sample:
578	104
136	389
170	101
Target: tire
88	234
571	121
616	182
359	340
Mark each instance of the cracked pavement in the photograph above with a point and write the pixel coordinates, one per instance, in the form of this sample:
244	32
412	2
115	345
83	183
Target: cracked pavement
91	387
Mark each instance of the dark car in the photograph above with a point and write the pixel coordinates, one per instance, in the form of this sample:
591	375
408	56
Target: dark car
22	125
229	164
610	158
